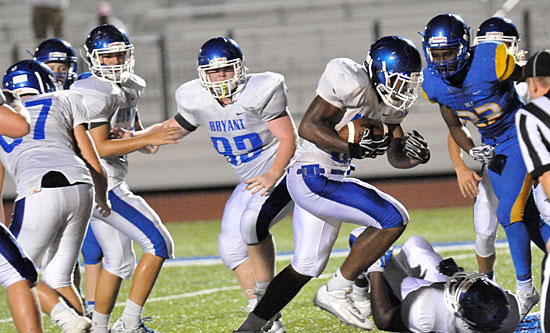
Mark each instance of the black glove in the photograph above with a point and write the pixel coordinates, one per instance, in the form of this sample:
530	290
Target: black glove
415	147
370	145
449	267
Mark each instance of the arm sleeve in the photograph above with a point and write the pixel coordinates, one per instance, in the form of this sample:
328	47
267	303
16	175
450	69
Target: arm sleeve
184	123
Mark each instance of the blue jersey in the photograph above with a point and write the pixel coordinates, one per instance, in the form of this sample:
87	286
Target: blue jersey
484	98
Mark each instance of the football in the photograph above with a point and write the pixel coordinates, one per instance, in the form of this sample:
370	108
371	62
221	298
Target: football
353	130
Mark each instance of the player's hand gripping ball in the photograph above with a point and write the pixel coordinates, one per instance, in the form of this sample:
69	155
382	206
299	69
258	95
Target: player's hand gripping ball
366	137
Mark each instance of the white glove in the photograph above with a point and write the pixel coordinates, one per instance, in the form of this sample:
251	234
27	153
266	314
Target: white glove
482	153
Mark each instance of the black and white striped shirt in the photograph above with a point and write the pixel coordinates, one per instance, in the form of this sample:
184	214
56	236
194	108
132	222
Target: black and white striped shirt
533	127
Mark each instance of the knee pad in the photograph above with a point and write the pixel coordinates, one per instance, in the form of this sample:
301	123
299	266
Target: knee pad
123	266
248	228
485	245
232	249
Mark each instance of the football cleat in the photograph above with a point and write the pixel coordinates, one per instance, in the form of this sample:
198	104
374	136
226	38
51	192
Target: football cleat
71	322
526	301
362	302
119	327
341	305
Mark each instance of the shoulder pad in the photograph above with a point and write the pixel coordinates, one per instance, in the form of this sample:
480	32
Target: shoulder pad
259	87
192	95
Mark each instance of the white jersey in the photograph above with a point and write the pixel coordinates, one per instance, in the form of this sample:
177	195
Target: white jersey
2	98
50	145
238	131
425	311
114	104
346	85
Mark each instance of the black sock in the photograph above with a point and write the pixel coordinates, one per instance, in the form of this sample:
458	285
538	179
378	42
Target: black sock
280	292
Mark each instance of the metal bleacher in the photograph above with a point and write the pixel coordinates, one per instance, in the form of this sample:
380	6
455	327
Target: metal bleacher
293	37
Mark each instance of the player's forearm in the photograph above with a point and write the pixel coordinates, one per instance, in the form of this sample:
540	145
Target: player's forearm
455	154
397	157
15	121
323	136
385	316
116	147
461	138
284	155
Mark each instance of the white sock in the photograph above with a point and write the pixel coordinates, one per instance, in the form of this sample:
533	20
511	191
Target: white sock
252	303
338	281
100	322
131	315
262	285
526	286
360	290
58	307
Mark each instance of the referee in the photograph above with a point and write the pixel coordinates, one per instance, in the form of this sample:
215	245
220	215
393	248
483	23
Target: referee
533	127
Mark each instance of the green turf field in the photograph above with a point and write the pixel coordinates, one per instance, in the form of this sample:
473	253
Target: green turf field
206	297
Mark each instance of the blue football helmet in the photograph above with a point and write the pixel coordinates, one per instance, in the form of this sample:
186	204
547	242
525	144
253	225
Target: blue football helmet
58	50
106	40
217	53
446	32
478	303
499	29
395	70
30	77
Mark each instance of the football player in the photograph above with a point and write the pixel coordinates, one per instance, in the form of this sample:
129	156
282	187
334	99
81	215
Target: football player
54	196
60	56
503	30
247	119
477	85
383	88
112	94
429	294
19	275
